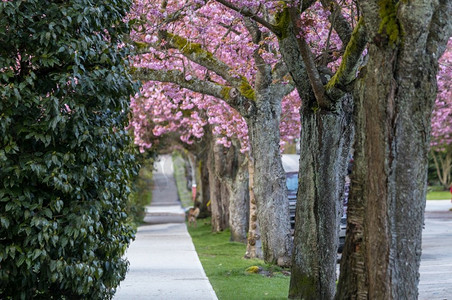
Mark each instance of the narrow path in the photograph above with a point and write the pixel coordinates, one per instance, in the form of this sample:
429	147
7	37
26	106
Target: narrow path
163	260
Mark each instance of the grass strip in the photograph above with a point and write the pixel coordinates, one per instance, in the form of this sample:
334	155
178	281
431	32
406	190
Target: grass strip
438	195
231	275
437	192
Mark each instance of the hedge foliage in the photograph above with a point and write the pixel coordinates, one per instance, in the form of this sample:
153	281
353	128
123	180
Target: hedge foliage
65	162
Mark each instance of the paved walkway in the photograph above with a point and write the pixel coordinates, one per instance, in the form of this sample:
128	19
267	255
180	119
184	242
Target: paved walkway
436	260
163	260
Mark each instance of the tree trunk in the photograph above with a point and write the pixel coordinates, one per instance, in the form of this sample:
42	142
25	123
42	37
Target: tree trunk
219	195
202	178
394	100
325	147
443	165
270	182
237	184
254	243
200	151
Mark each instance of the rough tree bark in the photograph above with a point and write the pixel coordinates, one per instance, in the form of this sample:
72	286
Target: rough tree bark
202	151
321	180
394	100
219	195
270	181
228	181
203	175
237	184
254	244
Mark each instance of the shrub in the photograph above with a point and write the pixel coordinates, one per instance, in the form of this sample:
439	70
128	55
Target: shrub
64	167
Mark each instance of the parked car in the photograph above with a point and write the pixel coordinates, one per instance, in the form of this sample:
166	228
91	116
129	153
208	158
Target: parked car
291	167
292	187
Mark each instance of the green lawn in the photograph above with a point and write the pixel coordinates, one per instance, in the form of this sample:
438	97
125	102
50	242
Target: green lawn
437	193
226	268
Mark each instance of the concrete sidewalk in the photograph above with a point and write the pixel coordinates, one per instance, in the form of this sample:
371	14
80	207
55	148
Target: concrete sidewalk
163	260
436	260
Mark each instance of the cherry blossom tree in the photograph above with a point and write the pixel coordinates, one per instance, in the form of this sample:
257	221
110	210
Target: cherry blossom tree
209	49
265	164
393	92
441	144
394	96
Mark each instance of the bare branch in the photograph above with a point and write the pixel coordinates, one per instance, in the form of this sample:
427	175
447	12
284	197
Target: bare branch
229	28
177	77
253	29
256	37
244	11
179	13
338	21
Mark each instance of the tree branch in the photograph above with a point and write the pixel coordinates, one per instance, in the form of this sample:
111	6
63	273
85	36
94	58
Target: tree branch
305	4
338	21
256	36
283	89
178	14
230	95
350	60
196	53
247	13
280	71
440	28
177	77
296	67
308	58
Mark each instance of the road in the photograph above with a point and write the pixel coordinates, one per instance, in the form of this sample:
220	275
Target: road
436	260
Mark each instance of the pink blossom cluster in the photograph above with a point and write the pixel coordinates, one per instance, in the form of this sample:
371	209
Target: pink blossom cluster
163	108
155	113
290	119
228	124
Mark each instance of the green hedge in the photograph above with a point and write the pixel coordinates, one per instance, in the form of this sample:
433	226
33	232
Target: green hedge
64	163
